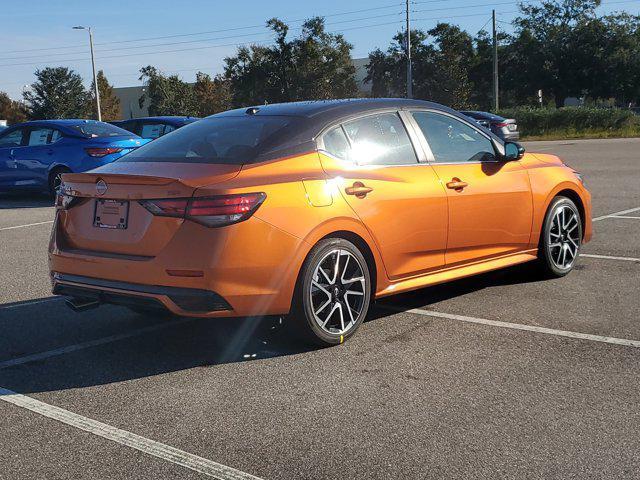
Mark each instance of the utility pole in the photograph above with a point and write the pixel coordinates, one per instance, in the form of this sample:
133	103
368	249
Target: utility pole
409	72
93	66
496	89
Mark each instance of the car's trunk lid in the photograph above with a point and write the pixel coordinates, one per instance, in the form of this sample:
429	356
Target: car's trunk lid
117	188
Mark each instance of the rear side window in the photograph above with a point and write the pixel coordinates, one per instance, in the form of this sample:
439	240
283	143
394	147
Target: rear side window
39	136
453	141
230	140
99	129
336	143
380	140
12	139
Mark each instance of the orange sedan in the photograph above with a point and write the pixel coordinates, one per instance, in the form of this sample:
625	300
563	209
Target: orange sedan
311	210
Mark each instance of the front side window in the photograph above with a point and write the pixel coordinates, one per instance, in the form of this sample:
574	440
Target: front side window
12	139
453	141
380	140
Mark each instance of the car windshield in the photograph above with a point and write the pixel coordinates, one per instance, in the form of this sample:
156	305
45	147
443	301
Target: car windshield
229	140
99	129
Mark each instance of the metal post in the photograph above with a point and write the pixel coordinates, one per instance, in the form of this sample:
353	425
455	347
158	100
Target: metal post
409	72
95	78
496	101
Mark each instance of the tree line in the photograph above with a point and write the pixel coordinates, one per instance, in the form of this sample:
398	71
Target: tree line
562	47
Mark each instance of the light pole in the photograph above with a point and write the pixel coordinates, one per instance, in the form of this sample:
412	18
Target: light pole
93	66
409	70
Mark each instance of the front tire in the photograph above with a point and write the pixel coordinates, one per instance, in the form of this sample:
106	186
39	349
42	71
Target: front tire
561	238
333	293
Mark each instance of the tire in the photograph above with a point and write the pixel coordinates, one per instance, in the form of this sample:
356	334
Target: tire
330	302
54	179
560	239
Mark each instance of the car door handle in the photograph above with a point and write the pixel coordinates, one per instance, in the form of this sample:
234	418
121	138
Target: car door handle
358	189
457	184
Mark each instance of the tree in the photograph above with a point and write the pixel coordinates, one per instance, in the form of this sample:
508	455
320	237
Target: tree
167	95
57	93
441	60
109	103
11	110
211	95
315	65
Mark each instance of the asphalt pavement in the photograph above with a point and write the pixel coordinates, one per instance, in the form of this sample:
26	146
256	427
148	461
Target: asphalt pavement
497	376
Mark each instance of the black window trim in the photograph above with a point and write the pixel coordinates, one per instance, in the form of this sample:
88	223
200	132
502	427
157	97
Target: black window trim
414	140
497	147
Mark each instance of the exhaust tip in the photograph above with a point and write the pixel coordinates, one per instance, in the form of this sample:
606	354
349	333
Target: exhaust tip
81	304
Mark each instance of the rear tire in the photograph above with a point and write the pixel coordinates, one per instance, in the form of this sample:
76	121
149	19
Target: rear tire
333	293
55	180
561	238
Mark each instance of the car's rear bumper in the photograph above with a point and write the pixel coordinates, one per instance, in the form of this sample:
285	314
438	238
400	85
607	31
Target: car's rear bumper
187	301
245	269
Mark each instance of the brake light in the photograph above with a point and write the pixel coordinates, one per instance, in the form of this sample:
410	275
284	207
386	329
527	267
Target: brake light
101	152
215	211
501	125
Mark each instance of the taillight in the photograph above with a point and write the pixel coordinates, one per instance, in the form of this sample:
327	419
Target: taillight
215	211
501	125
101	152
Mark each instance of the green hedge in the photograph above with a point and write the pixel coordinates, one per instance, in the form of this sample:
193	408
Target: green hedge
533	122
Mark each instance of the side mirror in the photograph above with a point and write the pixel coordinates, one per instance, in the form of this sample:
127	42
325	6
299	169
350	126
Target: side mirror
513	151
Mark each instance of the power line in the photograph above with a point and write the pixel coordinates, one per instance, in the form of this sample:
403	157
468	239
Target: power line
208	31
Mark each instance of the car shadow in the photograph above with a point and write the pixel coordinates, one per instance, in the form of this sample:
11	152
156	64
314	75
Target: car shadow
152	346
12	201
176	344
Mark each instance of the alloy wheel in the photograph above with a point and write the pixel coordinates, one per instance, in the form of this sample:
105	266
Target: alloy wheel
564	237
337	291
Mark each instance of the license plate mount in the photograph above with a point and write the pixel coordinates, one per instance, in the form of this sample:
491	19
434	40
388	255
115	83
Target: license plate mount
112	214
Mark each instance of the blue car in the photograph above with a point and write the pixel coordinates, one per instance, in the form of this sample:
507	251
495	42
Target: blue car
154	127
34	155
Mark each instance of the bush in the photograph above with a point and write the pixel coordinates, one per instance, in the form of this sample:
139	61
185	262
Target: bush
572	121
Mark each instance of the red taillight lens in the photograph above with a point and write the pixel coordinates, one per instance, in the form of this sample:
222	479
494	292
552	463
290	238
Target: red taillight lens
210	211
101	152
501	125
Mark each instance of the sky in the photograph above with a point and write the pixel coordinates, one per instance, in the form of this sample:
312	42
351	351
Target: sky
198	34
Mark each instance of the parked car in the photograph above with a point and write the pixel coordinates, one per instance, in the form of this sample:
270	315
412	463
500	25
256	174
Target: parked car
154	127
34	155
311	210
505	128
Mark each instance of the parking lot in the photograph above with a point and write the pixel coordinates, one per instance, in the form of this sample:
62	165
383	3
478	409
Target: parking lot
498	376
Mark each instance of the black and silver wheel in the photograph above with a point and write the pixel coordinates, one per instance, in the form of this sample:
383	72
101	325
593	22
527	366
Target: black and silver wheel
55	180
561	237
333	292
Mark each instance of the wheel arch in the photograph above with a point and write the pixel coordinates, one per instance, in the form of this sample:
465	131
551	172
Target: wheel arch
573	195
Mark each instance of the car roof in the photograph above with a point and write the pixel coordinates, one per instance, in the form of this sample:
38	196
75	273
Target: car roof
332	108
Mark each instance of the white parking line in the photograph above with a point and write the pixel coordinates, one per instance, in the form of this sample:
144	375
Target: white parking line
609	257
615	214
26	225
624	216
128	439
89	344
518	326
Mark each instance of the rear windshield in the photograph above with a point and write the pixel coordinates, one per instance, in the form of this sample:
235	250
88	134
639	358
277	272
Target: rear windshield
229	140
99	129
